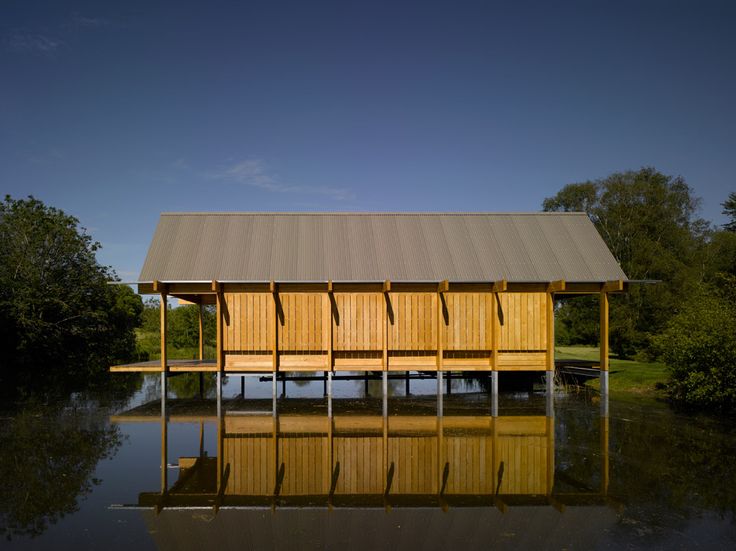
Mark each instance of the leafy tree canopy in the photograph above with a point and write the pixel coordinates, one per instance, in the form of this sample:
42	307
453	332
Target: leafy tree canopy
648	221
60	320
729	209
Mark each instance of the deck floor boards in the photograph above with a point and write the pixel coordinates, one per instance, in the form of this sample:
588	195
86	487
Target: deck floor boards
154	366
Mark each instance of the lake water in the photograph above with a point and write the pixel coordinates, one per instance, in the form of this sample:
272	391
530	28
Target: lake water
86	473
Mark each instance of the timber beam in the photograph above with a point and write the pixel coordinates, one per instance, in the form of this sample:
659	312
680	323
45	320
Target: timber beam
500	286
207	290
615	286
556	286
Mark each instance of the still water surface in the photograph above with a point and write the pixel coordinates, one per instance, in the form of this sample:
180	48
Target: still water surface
87	473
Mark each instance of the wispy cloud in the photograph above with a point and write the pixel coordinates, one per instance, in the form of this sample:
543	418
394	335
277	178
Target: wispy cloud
88	22
254	173
22	41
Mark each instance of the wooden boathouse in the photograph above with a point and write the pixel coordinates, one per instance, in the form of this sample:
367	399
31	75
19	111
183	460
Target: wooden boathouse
326	292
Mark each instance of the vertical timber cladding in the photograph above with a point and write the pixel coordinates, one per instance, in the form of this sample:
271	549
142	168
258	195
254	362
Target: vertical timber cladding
357	333
522	331
248	331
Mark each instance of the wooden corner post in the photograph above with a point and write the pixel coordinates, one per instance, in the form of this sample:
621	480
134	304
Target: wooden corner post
161	288
201	331
217	287
604	343
273	288
552	287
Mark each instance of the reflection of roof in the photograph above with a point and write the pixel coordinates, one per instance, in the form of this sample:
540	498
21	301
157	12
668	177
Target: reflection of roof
532	527
530	247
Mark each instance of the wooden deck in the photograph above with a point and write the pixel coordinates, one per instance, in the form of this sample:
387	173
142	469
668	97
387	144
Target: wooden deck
180	366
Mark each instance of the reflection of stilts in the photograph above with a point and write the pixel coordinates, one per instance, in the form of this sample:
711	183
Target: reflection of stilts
604	444
164	439
444	460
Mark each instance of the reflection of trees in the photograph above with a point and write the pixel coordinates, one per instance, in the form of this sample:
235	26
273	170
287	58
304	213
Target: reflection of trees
187	385
47	462
664	467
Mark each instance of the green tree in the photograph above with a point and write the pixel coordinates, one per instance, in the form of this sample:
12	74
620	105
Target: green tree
61	321
648	221
699	348
729	209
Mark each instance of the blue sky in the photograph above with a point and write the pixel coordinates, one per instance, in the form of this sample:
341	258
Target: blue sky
116	111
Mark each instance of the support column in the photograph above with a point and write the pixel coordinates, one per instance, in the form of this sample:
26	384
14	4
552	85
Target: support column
242	386
407	385
164	315
219	299
219	393
440	405
201	332
329	394
494	393
201	348
273	392
384	392
604	344
550	321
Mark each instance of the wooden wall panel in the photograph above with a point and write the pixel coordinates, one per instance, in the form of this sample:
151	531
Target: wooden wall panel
466	323
249	323
358	324
522	321
414	321
300	326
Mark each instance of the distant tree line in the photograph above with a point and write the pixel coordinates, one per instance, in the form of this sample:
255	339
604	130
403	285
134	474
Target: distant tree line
182	327
648	220
61	322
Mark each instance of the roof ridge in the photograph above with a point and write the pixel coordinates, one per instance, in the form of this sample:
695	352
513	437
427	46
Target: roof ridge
367	213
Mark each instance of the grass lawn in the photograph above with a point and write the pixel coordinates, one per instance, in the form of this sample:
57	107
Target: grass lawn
627	376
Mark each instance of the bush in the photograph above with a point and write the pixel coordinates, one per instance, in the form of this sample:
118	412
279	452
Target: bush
699	349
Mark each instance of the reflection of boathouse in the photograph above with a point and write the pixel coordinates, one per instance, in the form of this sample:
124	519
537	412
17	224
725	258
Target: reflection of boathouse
378	292
368	460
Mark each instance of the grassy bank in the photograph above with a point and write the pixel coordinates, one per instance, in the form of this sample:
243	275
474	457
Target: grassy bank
149	343
625	376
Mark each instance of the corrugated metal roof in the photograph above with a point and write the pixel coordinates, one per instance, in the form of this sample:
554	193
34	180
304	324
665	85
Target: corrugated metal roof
519	247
